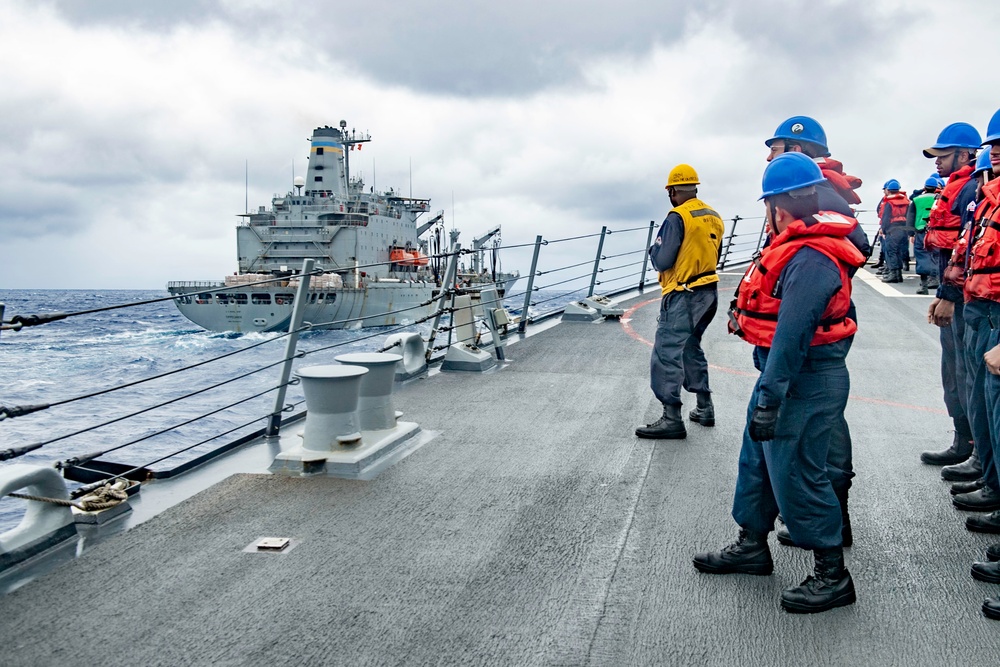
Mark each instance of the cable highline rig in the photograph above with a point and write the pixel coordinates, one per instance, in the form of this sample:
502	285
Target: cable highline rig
377	256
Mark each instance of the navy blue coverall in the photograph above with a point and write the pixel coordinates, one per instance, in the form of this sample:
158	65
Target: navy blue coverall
811	385
954	376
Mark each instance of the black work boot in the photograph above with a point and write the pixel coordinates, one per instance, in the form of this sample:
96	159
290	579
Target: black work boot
923	285
988	572
983	500
748	555
704	414
967	487
959	451
991	608
829	586
984	523
993	552
668	427
966	471
781	532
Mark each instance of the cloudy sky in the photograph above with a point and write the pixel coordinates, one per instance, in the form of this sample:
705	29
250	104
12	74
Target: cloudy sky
127	126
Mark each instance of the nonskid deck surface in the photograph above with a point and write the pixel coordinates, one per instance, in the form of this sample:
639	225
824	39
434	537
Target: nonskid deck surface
536	529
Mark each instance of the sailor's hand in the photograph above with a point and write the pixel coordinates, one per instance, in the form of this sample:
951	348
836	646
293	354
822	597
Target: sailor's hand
941	312
992	359
762	423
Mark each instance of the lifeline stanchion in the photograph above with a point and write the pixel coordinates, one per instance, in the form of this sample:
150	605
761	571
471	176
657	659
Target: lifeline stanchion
729	242
523	324
597	262
274	422
645	259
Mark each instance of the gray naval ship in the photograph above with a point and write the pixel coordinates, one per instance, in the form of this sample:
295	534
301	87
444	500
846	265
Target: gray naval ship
374	269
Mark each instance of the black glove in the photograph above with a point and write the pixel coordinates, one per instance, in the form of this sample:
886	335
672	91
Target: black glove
762	423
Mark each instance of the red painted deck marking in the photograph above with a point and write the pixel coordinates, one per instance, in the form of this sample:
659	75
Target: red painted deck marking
626	322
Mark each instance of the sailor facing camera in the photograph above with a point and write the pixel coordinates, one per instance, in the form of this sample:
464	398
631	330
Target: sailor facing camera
685	253
792	305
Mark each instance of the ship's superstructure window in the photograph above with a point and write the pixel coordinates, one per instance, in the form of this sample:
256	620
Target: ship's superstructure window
284	299
260	298
241	298
319	150
317	178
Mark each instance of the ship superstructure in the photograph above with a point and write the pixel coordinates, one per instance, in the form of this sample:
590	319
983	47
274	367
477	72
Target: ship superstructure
377	271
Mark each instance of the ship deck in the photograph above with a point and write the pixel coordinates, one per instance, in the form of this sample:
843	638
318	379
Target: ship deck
534	528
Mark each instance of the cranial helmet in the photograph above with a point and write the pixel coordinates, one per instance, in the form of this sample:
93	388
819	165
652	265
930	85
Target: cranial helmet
789	172
681	175
956	135
803	129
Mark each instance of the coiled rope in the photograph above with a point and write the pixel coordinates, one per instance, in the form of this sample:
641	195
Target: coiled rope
102	498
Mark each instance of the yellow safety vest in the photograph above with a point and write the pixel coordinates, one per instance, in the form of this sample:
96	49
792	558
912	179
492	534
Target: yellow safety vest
699	251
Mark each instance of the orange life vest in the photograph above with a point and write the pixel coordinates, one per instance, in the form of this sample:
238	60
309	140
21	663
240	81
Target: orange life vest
754	312
943	226
843	183
898	204
983	281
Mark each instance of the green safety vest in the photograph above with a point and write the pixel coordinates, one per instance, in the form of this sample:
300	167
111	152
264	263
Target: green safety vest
922	204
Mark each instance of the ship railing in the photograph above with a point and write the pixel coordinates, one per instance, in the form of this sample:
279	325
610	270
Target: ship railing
230	410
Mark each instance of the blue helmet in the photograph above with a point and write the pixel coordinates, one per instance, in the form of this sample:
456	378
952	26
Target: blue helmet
956	135
993	130
788	172
982	163
933	182
891	184
801	128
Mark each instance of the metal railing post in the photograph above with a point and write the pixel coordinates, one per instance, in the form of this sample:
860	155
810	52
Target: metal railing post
729	243
523	324
760	239
645	256
274	421
597	262
447	287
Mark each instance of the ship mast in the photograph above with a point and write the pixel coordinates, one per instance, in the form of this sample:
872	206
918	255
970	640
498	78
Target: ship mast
349	140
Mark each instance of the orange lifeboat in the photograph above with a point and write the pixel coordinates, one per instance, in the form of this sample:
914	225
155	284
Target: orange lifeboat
398	256
420	259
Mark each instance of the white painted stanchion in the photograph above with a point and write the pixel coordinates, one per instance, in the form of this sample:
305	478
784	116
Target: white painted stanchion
375	403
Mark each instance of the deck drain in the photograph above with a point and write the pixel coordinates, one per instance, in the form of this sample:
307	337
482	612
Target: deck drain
271	545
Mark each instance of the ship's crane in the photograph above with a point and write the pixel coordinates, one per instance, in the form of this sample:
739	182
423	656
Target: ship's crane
478	245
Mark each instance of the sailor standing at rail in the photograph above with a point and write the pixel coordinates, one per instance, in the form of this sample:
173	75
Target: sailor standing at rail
803	134
954	153
793	304
685	253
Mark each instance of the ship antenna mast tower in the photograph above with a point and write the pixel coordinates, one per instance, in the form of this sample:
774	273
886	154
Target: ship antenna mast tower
349	140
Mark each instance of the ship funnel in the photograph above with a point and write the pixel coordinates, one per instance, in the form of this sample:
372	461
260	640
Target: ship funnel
327	173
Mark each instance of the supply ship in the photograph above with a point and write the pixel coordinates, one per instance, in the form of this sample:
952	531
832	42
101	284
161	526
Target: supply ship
376	262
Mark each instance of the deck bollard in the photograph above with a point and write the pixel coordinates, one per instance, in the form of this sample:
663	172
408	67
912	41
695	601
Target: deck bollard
332	394
351	428
375	408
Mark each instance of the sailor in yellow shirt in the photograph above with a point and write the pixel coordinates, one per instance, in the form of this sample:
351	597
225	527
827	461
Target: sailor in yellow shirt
685	253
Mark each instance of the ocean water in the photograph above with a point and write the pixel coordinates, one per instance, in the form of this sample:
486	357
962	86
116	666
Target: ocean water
68	359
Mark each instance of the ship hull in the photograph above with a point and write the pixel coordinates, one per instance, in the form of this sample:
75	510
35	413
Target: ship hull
269	308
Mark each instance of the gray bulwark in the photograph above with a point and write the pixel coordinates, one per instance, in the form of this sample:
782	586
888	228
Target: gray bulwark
536	529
